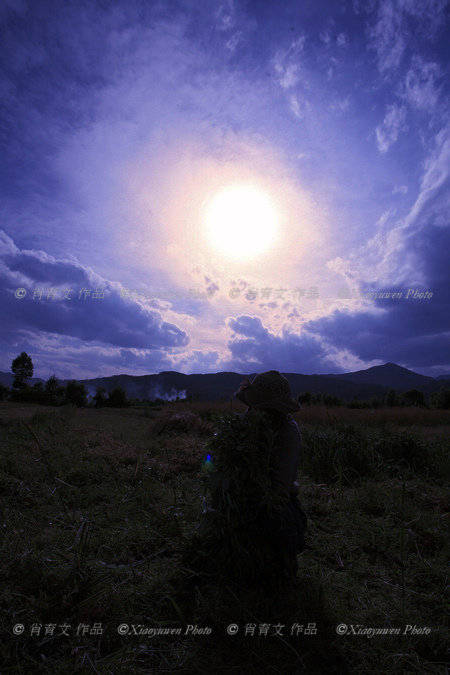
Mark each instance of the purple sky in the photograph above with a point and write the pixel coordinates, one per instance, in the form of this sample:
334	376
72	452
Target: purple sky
121	122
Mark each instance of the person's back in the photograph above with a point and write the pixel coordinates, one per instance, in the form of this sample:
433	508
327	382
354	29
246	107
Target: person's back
287	460
286	526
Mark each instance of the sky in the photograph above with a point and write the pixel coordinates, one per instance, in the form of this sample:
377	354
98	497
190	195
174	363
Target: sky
224	186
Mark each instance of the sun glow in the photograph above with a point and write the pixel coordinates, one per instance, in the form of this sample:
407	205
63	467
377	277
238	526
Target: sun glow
241	221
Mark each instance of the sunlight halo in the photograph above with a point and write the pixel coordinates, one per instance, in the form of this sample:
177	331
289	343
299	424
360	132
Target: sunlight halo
241	221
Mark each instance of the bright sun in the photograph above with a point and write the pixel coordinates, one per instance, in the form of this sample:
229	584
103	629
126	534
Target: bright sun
241	221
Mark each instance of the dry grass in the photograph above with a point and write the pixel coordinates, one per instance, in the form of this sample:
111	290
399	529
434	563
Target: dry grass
95	518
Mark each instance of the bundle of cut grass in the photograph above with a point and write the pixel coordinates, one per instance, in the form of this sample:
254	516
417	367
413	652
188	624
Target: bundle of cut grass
232	539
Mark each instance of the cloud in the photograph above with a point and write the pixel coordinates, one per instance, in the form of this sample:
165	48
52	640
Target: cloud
226	15
429	15
295	106
387	36
286	63
400	189
69	357
288	75
211	287
259	349
342	40
413	332
420	88
391	32
113	319
198	361
341	105
393	124
234	40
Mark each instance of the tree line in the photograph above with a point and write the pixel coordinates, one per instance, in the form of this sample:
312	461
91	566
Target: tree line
414	397
52	392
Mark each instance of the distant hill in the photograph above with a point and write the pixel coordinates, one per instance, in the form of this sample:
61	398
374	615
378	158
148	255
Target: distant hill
216	386
169	384
443	377
392	376
8	378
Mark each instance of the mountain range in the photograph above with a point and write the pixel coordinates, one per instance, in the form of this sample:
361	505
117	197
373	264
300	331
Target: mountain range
363	384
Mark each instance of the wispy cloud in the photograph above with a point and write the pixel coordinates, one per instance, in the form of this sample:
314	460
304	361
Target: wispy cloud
287	65
393	124
400	189
391	31
341	105
226	15
420	87
387	36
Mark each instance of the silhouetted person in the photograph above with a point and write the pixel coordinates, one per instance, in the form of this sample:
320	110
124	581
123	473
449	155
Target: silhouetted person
270	392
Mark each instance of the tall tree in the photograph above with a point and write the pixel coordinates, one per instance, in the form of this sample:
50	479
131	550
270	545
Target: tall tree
100	397
22	367
76	393
51	385
118	398
54	392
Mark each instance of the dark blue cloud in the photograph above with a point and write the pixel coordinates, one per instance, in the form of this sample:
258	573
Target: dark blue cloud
413	332
261	350
111	320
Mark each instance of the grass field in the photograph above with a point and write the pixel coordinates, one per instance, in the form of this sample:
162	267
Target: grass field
97	505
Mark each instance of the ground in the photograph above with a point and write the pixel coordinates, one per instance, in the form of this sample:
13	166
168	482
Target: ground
97	506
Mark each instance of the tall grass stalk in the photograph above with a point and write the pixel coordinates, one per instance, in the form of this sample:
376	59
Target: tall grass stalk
48	466
402	551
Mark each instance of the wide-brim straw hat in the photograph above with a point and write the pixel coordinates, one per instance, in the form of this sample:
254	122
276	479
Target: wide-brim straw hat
268	390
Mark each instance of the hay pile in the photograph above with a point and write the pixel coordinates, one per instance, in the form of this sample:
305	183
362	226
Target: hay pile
232	540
